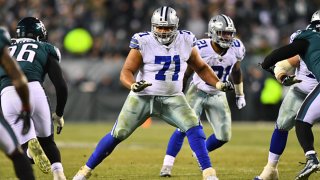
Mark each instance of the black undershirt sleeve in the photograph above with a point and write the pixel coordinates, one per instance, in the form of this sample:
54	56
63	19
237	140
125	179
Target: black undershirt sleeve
56	77
298	46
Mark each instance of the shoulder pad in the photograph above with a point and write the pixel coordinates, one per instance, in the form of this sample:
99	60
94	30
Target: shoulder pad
53	51
138	38
239	48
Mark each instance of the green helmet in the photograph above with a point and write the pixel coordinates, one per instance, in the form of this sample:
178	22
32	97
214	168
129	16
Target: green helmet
31	27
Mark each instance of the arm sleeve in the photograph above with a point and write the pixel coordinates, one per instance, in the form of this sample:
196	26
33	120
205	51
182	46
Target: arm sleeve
298	46
56	77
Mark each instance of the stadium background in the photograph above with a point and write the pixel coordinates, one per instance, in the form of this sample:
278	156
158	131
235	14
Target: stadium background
95	92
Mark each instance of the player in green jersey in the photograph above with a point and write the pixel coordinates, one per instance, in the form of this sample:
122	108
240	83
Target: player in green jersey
37	58
8	140
307	45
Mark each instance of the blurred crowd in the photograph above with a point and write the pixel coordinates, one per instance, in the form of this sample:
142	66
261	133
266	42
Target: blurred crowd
261	24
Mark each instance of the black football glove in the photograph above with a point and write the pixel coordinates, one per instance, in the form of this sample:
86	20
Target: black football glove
139	86
225	86
290	80
25	117
228	86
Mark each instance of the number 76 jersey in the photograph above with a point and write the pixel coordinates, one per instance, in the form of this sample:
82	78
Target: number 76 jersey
32	57
221	65
163	66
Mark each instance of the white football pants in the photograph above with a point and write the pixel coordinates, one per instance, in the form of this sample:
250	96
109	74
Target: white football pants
41	123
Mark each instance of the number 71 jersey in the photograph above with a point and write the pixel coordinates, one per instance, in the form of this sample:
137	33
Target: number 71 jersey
163	66
221	65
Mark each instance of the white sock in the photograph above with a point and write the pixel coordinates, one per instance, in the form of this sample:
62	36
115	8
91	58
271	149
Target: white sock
85	166
273	159
168	160
57	166
310	152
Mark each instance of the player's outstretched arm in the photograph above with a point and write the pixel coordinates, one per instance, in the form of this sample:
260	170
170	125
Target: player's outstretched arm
130	67
298	46
237	79
60	85
201	68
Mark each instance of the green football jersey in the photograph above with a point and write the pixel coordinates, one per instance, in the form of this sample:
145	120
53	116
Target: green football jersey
32	57
312	55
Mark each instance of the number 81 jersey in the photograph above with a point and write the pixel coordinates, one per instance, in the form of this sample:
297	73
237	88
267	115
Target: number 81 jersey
163	66
221	65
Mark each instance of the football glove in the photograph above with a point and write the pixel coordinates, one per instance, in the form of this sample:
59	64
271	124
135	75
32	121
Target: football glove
139	86
240	101
25	117
58	121
290	80
224	86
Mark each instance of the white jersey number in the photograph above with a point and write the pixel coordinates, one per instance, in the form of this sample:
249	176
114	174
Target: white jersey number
26	53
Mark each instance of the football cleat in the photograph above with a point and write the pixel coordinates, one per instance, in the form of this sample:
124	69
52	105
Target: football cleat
209	174
268	173
312	165
166	171
59	175
84	173
38	156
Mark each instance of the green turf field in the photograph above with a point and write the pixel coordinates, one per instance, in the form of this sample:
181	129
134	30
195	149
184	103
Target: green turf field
140	156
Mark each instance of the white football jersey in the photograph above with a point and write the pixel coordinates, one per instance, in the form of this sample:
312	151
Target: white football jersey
163	66
302	72
221	65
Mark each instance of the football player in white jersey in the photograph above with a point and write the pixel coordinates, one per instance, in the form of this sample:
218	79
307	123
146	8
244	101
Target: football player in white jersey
223	53
289	107
8	141
160	57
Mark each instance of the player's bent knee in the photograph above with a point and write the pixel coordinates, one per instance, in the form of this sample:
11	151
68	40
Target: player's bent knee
284	127
196	131
122	134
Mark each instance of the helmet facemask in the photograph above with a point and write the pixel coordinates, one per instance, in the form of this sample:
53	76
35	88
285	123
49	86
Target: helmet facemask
164	25
221	30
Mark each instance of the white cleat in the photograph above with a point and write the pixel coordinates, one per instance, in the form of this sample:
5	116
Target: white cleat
209	174
268	173
84	173
59	175
165	171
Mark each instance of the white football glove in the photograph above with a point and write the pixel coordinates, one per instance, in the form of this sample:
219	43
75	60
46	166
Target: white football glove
240	101
58	121
139	86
